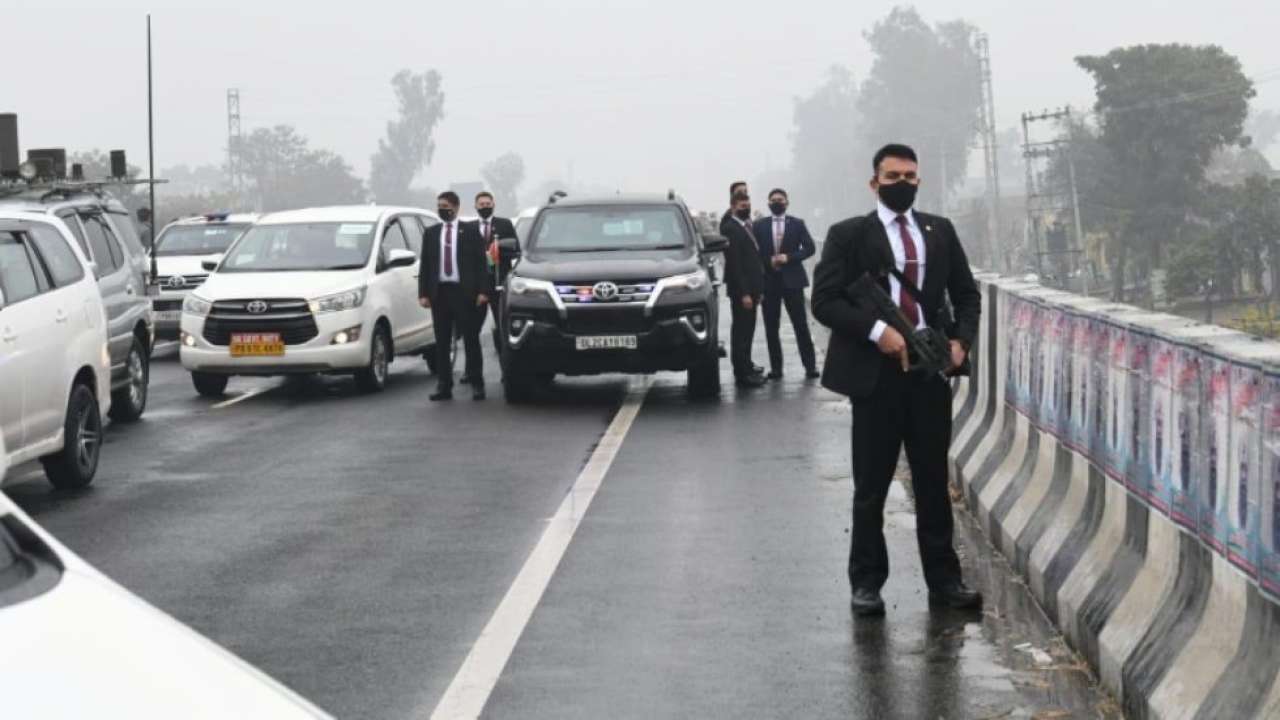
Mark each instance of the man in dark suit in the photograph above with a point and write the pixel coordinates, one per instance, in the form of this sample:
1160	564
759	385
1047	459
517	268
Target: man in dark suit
738	187
785	244
454	281
744	280
867	361
492	229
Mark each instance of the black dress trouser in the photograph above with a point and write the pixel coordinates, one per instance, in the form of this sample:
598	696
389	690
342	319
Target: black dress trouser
772	304
452	311
741	335
911	409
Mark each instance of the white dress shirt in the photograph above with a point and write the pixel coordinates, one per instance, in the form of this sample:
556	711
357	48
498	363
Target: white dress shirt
449	227
889	219
779	232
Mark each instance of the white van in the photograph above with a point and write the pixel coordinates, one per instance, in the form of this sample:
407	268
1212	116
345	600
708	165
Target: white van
325	290
55	364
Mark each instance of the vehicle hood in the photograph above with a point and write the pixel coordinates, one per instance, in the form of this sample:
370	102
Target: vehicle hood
623	265
182	264
279	285
89	648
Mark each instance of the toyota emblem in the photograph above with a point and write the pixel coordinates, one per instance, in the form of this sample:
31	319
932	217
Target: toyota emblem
177	282
605	291
257	307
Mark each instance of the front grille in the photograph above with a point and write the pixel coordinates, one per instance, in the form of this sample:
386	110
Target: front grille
180	282
629	291
612	321
291	318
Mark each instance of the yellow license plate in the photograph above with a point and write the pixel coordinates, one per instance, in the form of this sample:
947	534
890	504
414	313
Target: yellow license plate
256	345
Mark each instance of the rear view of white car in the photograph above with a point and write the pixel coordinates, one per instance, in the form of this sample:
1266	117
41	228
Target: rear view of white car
181	249
55	366
325	290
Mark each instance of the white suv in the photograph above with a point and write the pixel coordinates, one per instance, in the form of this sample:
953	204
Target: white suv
55	366
181	249
324	290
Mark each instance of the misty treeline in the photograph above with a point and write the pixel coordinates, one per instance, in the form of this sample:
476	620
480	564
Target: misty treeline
278	168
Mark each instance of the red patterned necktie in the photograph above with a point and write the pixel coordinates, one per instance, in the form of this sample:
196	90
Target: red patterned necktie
911	273
448	250
488	232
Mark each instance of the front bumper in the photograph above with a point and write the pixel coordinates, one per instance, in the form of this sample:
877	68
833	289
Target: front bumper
317	355
166	311
672	343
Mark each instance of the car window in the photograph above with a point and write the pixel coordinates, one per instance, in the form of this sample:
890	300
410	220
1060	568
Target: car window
394	239
99	245
126	230
301	247
198	239
587	229
58	257
77	232
418	230
19	275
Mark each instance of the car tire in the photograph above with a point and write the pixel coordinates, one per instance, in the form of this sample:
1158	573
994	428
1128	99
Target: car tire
517	385
209	385
704	377
73	467
373	378
128	403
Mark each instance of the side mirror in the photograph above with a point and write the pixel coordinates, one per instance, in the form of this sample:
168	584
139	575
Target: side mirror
509	246
209	265
401	258
715	243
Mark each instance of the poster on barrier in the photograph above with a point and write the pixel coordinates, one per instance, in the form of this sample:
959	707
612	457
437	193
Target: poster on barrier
1166	433
1137	408
1055	417
1099	383
1243	460
1040	344
1022	348
1216	379
1269	550
1115	419
1012	366
1081	377
1179	452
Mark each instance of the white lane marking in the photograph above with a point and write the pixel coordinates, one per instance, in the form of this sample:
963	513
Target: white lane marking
240	398
474	683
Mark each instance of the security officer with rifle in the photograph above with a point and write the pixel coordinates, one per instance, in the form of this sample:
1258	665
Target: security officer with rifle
892	366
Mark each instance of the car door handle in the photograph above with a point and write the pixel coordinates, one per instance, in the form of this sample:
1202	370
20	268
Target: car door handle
60	316
8	336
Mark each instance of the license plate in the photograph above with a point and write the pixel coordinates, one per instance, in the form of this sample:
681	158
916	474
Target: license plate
167	315
256	344
607	342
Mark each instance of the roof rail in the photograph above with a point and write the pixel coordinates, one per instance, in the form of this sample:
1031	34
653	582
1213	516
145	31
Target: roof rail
54	188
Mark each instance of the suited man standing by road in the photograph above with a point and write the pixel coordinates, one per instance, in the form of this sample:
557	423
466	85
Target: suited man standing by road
736	188
785	244
744	280
867	360
455	282
492	229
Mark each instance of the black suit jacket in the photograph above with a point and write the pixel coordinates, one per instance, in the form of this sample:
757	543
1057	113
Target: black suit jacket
473	270
858	245
797	245
743	268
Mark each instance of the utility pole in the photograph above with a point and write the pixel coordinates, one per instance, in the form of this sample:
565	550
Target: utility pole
1042	202
987	113
233	142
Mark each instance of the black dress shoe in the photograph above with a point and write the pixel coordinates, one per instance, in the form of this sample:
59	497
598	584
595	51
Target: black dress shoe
776	375
477	392
812	374
866	603
956	596
439	395
751	382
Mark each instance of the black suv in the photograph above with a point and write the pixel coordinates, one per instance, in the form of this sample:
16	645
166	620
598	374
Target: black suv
612	284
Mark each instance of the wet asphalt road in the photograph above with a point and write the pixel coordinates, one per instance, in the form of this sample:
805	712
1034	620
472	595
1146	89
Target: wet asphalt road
354	547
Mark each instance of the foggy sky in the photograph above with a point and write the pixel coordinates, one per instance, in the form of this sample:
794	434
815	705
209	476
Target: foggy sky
635	95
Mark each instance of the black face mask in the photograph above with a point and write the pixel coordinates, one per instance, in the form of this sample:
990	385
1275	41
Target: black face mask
899	196
485	213
446	214
778	208
742	213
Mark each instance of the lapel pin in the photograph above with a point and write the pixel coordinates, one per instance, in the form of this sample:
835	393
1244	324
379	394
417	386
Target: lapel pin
928	228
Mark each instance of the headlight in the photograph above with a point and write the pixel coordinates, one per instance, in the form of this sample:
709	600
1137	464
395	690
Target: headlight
196	306
524	286
692	281
348	300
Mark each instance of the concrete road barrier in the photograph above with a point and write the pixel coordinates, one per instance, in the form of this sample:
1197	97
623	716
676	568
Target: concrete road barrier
1128	464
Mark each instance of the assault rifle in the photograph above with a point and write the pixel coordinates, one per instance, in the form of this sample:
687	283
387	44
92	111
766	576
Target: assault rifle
928	349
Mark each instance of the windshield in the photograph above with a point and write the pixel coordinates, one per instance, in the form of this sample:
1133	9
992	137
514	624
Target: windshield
595	229
300	247
198	239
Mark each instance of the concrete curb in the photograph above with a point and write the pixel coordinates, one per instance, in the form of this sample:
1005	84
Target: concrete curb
1128	464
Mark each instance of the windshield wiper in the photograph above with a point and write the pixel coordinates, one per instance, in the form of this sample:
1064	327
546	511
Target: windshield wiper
592	249
345	267
673	246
